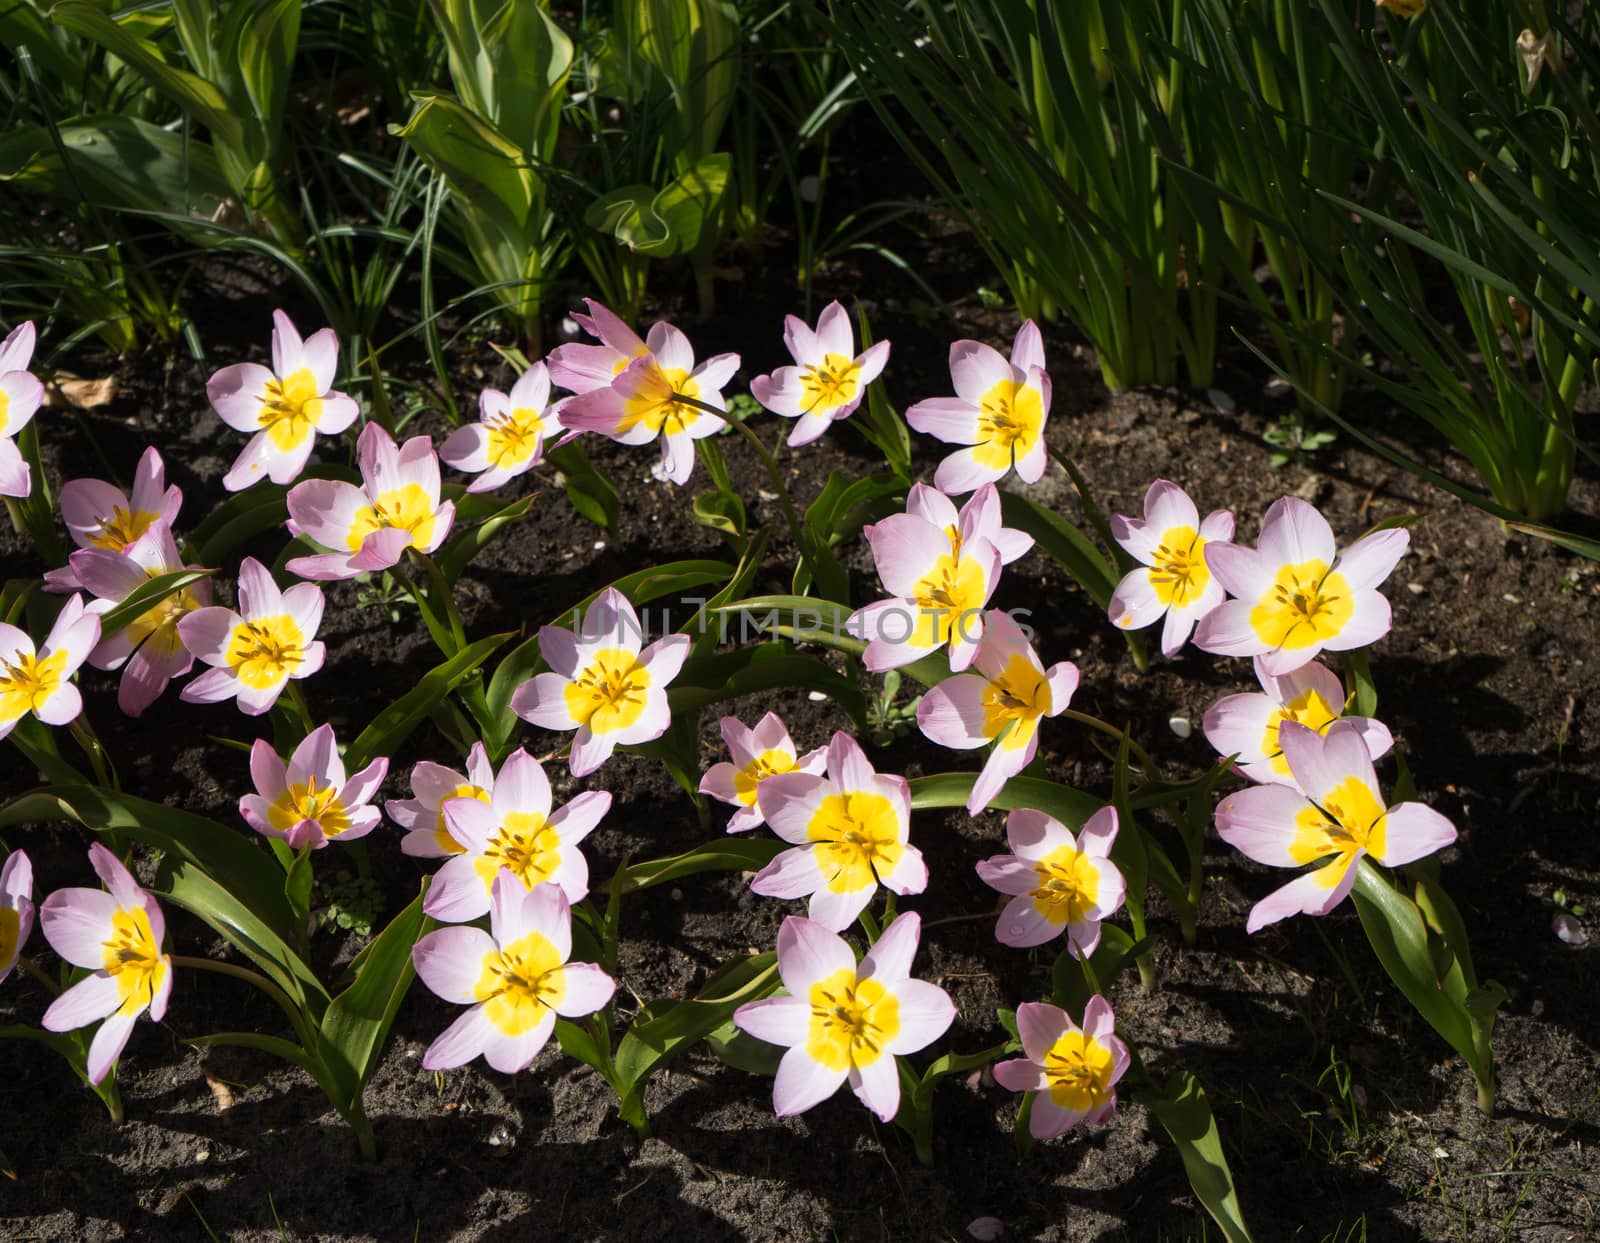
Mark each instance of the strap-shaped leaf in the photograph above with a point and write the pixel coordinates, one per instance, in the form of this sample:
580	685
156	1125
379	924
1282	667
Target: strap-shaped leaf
145	597
664	1028
1063	543
725	854
357	1023
1183	1109
1071	807
198	98
393	724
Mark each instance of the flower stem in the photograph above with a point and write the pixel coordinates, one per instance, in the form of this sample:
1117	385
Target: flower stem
285	1003
1146	764
38	973
98	760
767	460
302	709
440	597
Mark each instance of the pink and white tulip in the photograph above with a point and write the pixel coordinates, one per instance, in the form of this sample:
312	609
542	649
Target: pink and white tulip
514	832
639	405
284	407
1296	593
1172	543
1072	1071
1247	725
829	378
601	684
396	507
999	409
148	649
1060	883
16	909
1336	816
939	583
434	785
101	515
758	754
116	935
850	832
510	435
38	680
843	1022
580	368
516	978
309	802
1002	703
256	651
21	394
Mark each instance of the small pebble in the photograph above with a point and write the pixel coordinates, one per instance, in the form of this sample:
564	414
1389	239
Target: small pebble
500	1136
810	188
569	326
986	1228
1416	589
1180	726
1569	930
1439	1154
202	1156
599	544
1221	400
1277	387
817	697
1510	599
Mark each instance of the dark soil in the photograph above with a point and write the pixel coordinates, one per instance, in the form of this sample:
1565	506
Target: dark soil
1344	1116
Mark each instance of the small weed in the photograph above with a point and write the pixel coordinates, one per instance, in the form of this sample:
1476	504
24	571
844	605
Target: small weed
1293	440
354	903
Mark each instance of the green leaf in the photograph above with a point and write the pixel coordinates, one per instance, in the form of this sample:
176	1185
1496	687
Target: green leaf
145	597
394	723
195	96
1064	543
1399	936
724	854
1182	1108
1071	807
738	1048
715	676
466	544
357	1022
578	1042
1116	951
275	1045
665	1028
122	162
588	487
237	520
207	868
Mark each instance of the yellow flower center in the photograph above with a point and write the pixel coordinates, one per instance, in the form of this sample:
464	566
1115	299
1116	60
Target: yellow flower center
1350	819
1307	708
1179	574
1078	1071
27	682
858	839
948	596
310	801
1010	418
653	406
1018	697
266	651
133	958
406	508
10	927
851	1021
519	982
1306	604
526	846
830	384
514	436
758	770
121	528
1068	886
441	832
155	631
611	693
5	412
290	409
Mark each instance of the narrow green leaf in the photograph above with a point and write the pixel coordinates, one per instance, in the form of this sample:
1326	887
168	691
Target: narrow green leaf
1063	543
394	723
666	1028
357	1022
1071	807
1182	1108
724	854
145	597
